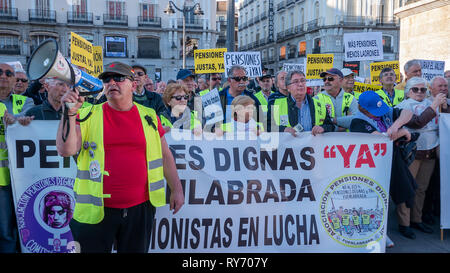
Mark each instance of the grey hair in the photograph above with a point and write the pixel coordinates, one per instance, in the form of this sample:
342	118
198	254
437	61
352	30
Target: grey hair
276	77
414	81
290	74
435	78
234	68
411	63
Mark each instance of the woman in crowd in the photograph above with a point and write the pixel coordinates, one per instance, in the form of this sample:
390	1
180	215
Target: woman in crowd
178	115
423	165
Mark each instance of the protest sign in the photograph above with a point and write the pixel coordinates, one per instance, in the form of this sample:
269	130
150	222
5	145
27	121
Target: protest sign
212	108
42	184
362	87
316	64
98	60
298	67
375	70
81	52
444	132
242	197
363	46
251	61
209	60
431	69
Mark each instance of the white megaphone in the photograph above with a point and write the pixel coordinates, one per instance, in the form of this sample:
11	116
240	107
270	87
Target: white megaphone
47	62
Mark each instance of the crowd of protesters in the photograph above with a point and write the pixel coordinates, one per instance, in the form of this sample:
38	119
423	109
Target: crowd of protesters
407	112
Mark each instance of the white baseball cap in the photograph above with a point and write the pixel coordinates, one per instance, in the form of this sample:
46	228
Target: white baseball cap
346	72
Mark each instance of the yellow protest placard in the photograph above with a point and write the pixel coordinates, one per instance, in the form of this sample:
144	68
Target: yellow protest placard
318	63
375	70
98	60
81	52
362	87
209	60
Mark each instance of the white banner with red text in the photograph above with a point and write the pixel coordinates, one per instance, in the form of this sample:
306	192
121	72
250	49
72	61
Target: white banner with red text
279	193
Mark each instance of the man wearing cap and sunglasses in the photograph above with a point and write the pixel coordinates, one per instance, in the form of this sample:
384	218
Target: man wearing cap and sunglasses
340	105
122	162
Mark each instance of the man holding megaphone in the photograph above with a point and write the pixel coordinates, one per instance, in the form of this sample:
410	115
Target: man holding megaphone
122	162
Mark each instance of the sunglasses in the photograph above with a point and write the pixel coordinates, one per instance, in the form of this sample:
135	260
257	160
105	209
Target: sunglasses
178	98
140	73
238	79
22	80
329	78
116	78
422	90
216	79
8	73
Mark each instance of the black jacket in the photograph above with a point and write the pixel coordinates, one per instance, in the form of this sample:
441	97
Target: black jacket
44	111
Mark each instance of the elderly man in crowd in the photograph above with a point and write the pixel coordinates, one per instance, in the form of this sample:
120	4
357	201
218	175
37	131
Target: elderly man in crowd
340	105
348	83
390	95
21	83
412	68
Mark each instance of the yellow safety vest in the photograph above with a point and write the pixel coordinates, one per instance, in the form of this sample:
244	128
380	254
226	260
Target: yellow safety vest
5	178
346	102
88	187
355	219
194	121
262	100
399	96
336	223
365	219
346	219
18	101
281	112
228	127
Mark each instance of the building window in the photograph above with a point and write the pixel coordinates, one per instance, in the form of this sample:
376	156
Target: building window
36	40
42	4
283	53
317	45
388	46
292	50
302	49
9	44
148	48
148	10
115	9
5	6
116	46
79	7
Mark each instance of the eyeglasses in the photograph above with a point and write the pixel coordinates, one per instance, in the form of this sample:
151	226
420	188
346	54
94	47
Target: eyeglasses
298	81
116	78
216	79
238	79
8	73
422	90
329	78
22	80
178	98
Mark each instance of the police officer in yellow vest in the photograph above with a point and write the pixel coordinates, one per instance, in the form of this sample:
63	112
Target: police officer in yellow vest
107	186
340	105
265	82
389	94
12	105
299	111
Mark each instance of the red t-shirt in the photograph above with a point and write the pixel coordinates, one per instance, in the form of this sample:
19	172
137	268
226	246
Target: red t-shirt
125	158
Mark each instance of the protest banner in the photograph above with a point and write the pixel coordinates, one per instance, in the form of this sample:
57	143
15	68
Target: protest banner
209	60
363	46
298	66
241	196
375	70
212	108
316	64
98	60
362	87
444	132
81	52
431	69
251	61
42	184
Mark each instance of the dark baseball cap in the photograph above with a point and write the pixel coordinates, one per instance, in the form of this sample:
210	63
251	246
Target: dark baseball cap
332	71
265	76
118	68
141	67
184	73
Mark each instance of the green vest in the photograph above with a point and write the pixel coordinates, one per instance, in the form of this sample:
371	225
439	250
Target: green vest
5	178
262	100
345	219
228	127
88	187
336	223
18	101
399	96
346	102
355	219
281	112
194	121
365	219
